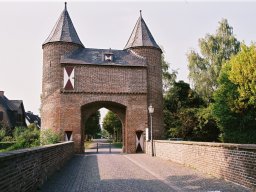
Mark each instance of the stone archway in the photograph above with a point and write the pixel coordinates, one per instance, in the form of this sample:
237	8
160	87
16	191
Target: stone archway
67	112
88	109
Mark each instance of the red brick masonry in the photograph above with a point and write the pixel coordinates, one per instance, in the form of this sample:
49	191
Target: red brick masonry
233	162
125	90
27	169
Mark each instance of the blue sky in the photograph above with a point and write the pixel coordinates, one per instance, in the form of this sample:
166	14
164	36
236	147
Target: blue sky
176	26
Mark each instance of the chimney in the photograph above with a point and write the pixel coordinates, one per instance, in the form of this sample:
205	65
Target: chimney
1	93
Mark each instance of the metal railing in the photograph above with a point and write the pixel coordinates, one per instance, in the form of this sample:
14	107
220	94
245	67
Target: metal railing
103	146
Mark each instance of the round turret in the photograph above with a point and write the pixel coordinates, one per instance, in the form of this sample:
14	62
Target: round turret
52	70
142	43
62	40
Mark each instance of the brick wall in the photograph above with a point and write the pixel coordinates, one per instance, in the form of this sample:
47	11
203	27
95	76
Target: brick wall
110	79
27	169
233	162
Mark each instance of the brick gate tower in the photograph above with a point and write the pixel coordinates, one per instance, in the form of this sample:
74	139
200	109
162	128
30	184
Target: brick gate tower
78	81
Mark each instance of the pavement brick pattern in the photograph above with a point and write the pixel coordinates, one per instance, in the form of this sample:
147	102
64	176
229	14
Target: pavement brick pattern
105	172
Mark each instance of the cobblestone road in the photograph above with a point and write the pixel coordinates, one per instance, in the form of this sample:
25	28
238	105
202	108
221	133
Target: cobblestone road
104	172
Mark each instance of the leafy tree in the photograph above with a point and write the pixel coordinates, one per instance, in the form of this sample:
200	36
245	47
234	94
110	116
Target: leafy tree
206	128
113	125
204	68
185	115
234	108
167	77
186	122
243	74
181	96
105	133
92	125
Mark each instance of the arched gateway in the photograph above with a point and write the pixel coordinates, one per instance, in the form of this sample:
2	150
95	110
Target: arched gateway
77	81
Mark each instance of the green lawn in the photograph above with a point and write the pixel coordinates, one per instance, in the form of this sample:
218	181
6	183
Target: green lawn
118	145
87	144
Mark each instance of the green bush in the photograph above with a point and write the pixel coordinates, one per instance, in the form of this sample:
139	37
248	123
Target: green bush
118	145
49	136
5	145
235	135
7	139
25	137
2	134
4	127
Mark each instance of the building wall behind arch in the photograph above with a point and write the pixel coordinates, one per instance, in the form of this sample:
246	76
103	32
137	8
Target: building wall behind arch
110	79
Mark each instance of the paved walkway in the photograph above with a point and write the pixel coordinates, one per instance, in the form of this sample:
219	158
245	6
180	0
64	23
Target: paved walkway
105	172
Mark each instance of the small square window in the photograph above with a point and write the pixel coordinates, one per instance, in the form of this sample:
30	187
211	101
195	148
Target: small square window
108	57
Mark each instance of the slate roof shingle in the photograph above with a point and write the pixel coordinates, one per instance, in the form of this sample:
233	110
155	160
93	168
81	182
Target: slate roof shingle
141	36
96	56
64	30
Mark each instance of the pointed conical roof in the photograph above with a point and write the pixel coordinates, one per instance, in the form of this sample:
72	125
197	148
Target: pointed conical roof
64	30
141	36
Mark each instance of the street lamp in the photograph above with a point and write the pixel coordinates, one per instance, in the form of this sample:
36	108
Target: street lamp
151	111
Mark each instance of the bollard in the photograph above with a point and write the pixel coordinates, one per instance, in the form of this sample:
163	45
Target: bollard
97	147
110	147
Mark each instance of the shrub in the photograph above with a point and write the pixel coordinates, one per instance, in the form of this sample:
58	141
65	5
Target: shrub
7	139
25	137
2	134
5	145
49	136
4	127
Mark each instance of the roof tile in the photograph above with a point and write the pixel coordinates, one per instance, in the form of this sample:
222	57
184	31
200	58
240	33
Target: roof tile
64	30
141	36
96	56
